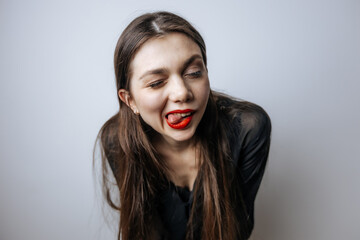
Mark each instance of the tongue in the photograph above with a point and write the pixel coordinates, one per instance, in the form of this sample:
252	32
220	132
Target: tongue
174	118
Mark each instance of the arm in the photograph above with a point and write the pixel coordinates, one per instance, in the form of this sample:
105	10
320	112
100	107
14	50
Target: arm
249	145
253	155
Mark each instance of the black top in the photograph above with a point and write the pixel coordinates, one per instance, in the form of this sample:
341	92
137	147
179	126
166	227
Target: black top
248	132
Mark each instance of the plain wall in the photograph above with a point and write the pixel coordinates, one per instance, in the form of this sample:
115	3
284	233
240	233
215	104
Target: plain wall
298	59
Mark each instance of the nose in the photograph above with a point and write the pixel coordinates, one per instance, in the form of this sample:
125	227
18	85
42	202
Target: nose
180	91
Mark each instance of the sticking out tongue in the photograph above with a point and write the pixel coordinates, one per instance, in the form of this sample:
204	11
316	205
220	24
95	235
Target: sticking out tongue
174	118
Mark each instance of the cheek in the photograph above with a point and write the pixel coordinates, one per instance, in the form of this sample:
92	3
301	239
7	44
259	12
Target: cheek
203	91
149	103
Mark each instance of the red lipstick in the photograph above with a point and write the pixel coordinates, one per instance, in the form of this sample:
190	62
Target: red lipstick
179	119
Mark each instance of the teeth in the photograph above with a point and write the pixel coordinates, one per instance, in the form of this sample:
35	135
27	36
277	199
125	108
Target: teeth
182	114
185	114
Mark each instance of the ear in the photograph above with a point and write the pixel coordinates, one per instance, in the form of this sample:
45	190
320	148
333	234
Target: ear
125	96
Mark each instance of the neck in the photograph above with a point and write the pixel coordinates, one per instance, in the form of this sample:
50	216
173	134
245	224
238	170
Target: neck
181	159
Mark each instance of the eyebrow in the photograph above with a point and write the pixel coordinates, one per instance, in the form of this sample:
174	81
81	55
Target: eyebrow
163	70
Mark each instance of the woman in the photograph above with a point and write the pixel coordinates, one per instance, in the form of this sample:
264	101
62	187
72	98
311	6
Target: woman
187	161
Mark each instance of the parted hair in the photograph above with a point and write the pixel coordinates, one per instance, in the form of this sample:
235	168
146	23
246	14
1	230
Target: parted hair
217	211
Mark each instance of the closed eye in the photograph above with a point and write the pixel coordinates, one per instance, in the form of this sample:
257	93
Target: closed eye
195	74
156	84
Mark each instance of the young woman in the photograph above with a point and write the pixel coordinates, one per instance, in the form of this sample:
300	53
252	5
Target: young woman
187	161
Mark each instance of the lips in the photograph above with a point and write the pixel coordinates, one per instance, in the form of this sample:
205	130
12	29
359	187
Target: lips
179	119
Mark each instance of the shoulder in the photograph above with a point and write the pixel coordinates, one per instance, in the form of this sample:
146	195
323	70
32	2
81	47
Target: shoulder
242	115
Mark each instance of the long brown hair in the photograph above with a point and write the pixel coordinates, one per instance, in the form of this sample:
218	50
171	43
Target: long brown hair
140	172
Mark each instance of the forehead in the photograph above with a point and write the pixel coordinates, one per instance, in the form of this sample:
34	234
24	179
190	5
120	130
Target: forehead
168	51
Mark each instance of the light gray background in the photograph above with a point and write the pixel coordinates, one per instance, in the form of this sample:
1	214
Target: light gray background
298	59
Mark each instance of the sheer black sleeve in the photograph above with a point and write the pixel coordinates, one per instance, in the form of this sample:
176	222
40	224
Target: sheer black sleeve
249	140
256	129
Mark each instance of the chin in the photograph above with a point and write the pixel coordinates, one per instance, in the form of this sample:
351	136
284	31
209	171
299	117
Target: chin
183	136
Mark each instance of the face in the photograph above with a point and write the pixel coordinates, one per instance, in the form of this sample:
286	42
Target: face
169	86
